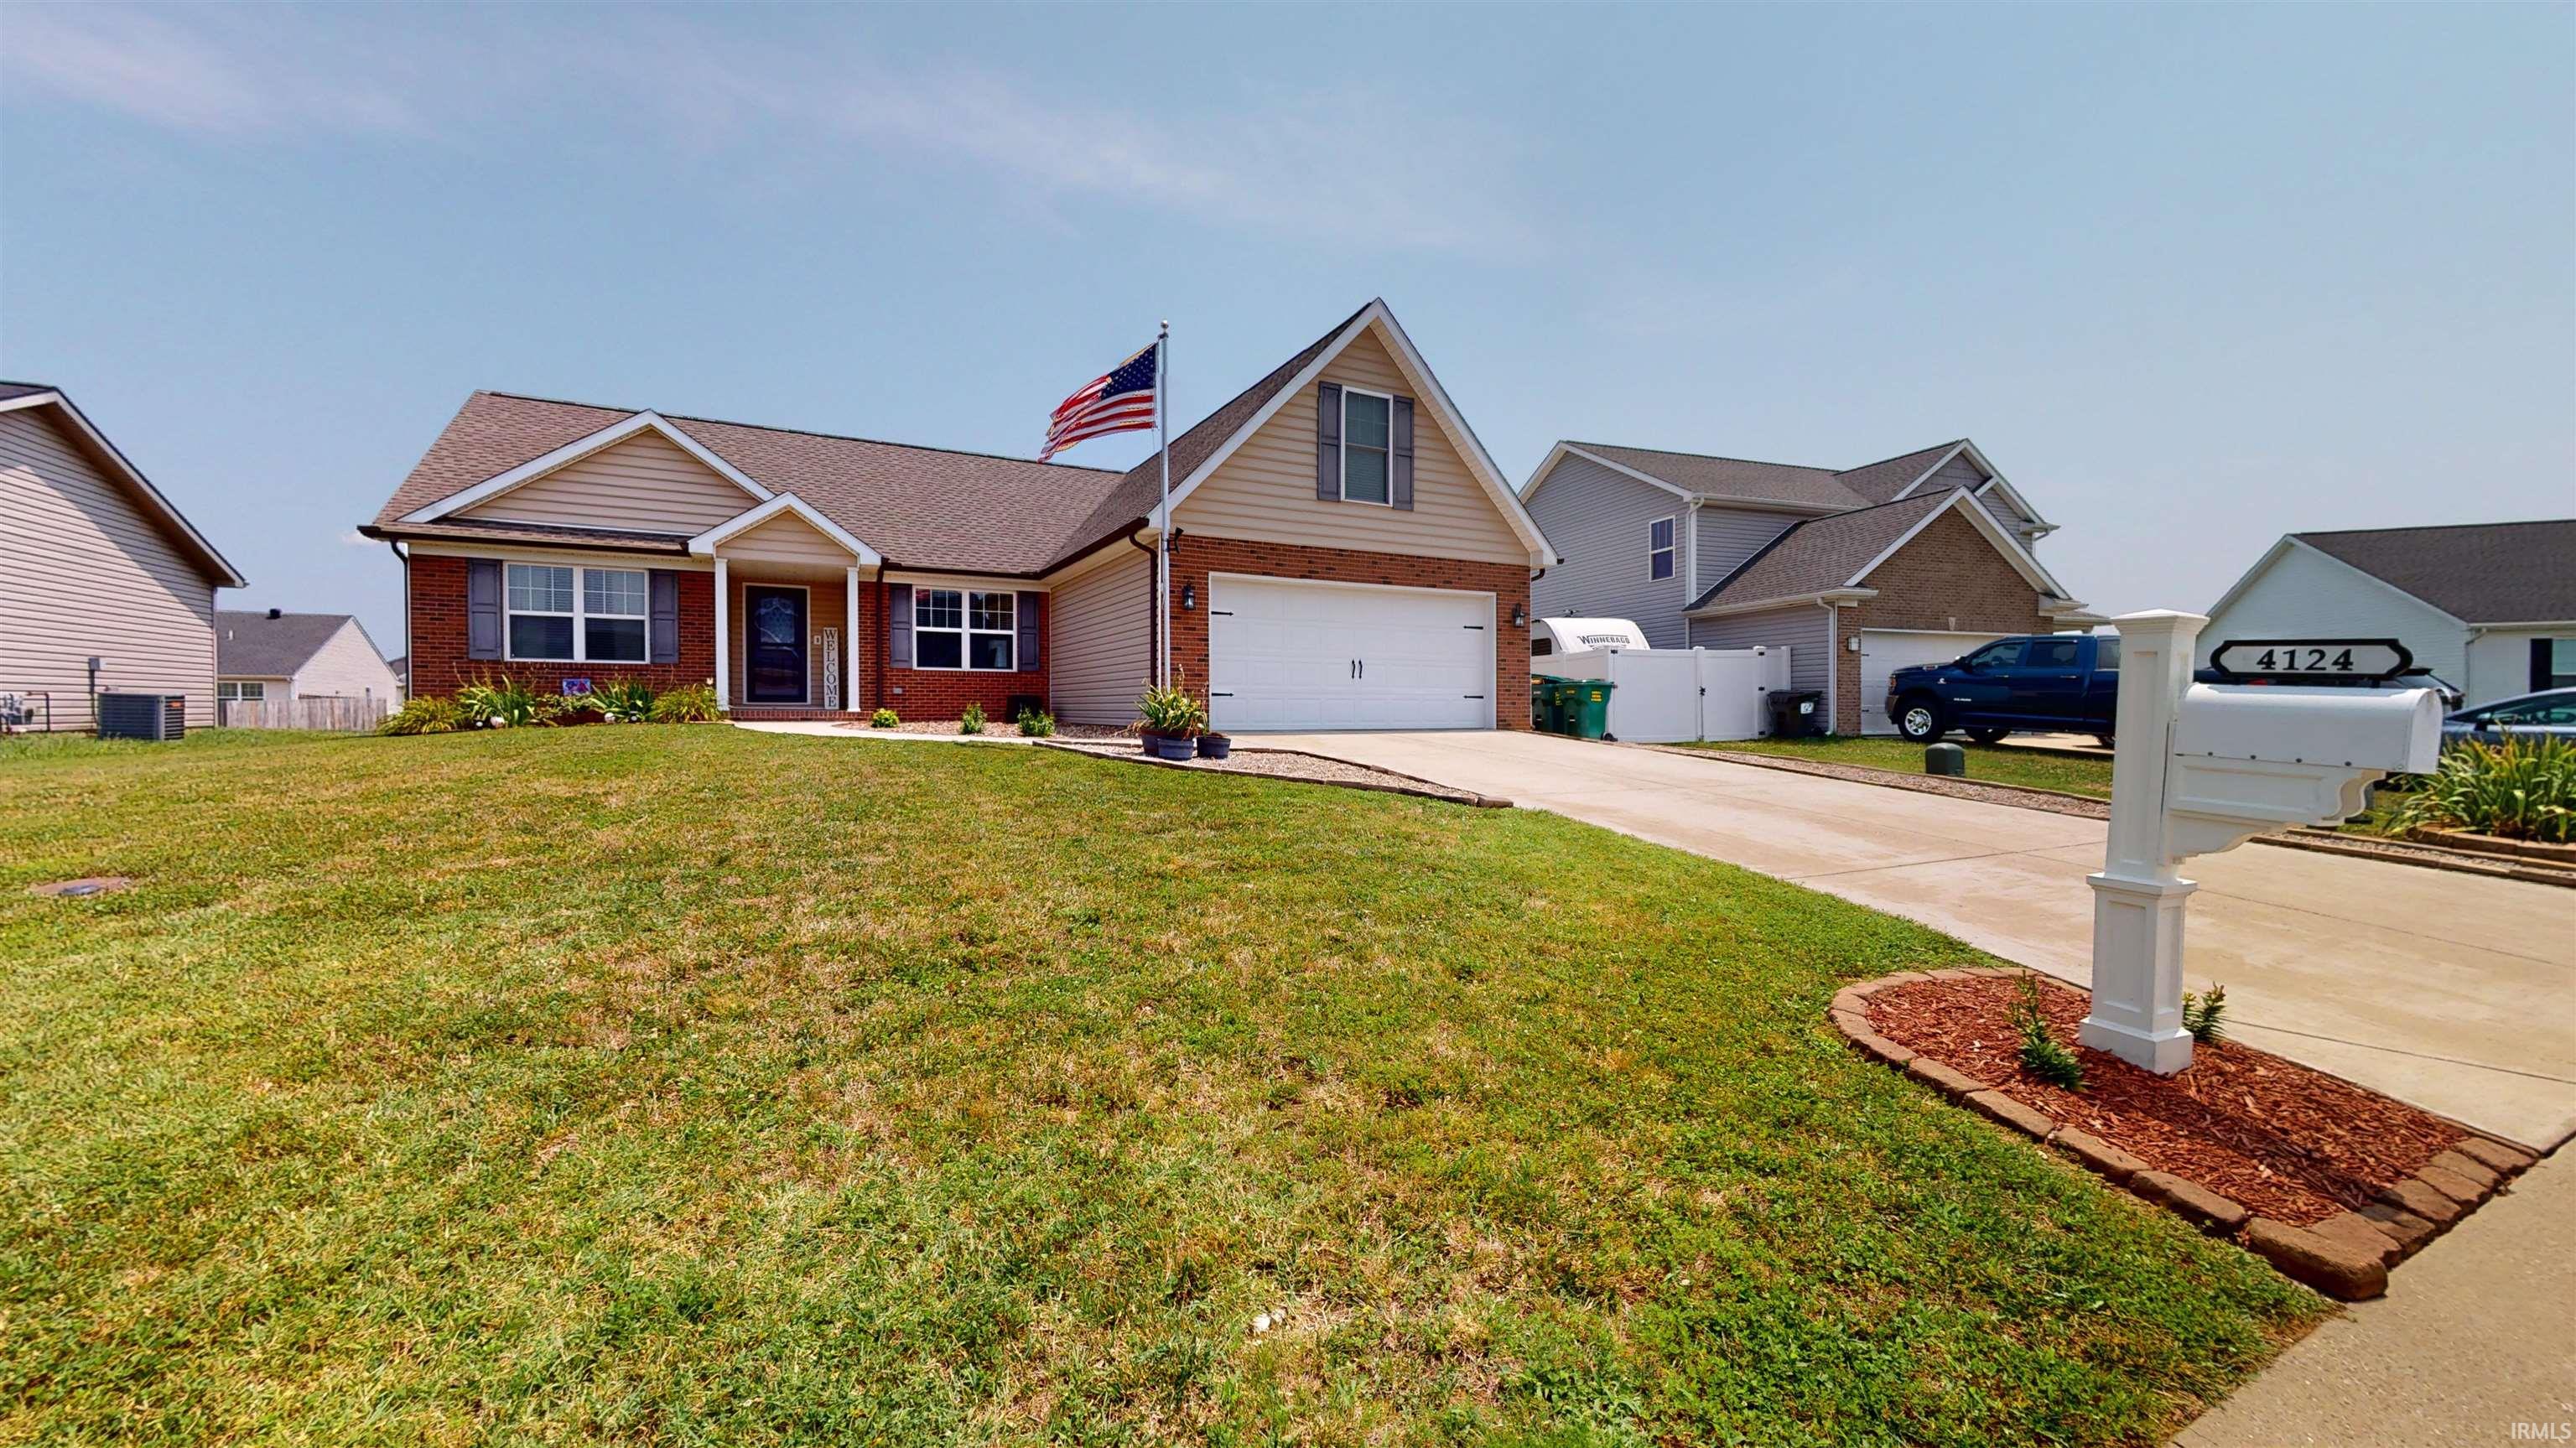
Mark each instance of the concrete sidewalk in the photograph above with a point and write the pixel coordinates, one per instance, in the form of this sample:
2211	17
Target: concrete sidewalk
2471	1340
2456	992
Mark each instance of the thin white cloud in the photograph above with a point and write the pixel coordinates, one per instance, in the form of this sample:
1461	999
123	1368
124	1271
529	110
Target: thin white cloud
176	74
352	538
1262	163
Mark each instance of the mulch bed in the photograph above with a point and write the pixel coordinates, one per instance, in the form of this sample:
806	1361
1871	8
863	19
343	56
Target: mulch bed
2287	1142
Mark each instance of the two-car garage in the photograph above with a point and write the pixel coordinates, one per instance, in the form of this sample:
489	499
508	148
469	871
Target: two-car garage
1289	654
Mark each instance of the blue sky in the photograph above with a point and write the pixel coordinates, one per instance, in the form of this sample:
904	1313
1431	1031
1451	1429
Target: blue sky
2192	277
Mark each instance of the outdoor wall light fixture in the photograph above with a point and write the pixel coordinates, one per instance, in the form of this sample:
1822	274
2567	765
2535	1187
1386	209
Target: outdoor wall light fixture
1189	597
1520	616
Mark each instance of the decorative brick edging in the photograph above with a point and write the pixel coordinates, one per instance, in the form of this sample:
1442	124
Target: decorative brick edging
2346	1256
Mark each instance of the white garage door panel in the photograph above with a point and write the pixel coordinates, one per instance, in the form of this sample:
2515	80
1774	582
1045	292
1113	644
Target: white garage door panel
1301	656
1884	651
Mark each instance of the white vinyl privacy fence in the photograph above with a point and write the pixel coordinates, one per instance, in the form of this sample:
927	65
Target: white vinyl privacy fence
1665	696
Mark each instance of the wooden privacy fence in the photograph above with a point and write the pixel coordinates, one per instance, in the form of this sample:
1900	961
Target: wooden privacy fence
343	715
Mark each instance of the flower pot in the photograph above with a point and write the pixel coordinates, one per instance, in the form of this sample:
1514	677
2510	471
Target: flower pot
1175	748
1215	746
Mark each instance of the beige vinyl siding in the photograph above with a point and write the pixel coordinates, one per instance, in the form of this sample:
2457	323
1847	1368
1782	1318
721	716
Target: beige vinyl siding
1103	642
346	667
85	571
785	539
645	484
1266	490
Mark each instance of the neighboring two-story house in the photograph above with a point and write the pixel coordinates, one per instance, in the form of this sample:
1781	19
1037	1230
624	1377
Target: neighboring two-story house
278	657
104	587
1344	555
1857	571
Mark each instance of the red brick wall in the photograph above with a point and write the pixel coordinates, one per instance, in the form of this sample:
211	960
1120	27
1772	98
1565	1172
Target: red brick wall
1949	577
1194	558
933	694
439	665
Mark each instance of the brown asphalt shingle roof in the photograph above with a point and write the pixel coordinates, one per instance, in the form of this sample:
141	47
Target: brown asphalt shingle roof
2475	572
1717	477
1816	554
251	645
920	507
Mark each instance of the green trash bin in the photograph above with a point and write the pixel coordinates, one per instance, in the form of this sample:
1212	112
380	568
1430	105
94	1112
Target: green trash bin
1541	698
1588	708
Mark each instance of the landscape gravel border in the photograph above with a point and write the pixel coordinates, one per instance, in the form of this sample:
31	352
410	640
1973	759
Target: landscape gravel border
2346	1256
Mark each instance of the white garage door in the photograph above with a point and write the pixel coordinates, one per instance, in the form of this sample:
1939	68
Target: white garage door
1883	651
1296	656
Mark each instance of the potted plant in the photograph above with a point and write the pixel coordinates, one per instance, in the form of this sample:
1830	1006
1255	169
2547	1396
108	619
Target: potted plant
1213	745
1173	720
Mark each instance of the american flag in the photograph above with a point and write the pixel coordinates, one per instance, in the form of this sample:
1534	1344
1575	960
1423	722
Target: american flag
1119	400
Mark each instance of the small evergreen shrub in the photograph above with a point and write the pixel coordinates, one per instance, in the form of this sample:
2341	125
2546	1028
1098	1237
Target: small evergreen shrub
2042	1054
425	715
972	721
884	719
695	704
1036	723
2205	1016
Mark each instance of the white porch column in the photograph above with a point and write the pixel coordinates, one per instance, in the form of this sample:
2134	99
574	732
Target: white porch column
2138	897
724	645
850	649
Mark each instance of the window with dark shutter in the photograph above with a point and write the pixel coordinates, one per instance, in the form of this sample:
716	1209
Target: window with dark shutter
1328	441
482	608
1367	445
1029	661
1400	456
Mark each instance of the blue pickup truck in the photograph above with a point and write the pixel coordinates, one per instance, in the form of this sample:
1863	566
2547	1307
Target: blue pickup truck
2054	683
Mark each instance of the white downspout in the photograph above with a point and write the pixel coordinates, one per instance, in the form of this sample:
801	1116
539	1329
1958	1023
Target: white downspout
1833	665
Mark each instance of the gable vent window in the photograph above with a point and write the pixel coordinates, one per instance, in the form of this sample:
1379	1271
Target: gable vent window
1659	549
1365	445
562	614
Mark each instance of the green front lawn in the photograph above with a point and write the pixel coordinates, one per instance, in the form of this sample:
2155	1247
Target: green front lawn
691	1085
1993	763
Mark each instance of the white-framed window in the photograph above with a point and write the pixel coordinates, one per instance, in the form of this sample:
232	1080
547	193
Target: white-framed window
1368	422
234	690
562	614
960	628
1659	549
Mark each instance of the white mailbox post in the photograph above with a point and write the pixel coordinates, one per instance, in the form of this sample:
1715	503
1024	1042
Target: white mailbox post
2200	768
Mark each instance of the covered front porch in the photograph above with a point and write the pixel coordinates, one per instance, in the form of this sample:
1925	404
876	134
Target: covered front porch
789	640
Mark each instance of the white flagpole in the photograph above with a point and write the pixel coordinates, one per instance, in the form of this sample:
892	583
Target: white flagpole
1163	536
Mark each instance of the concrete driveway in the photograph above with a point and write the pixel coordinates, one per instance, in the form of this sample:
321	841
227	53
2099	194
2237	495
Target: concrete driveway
2456	992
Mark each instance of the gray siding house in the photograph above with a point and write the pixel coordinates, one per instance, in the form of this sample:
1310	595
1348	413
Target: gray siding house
1857	571
95	565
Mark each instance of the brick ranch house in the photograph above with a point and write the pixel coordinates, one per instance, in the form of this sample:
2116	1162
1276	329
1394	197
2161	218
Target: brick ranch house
1858	572
1344	555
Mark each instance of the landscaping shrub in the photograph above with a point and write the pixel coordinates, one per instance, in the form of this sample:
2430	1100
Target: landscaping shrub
2042	1054
1171	711
424	716
2521	789
972	720
2205	1016
694	704
884	719
1036	723
624	701
490	703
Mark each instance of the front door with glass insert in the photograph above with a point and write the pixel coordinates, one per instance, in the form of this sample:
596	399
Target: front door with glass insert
774	633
